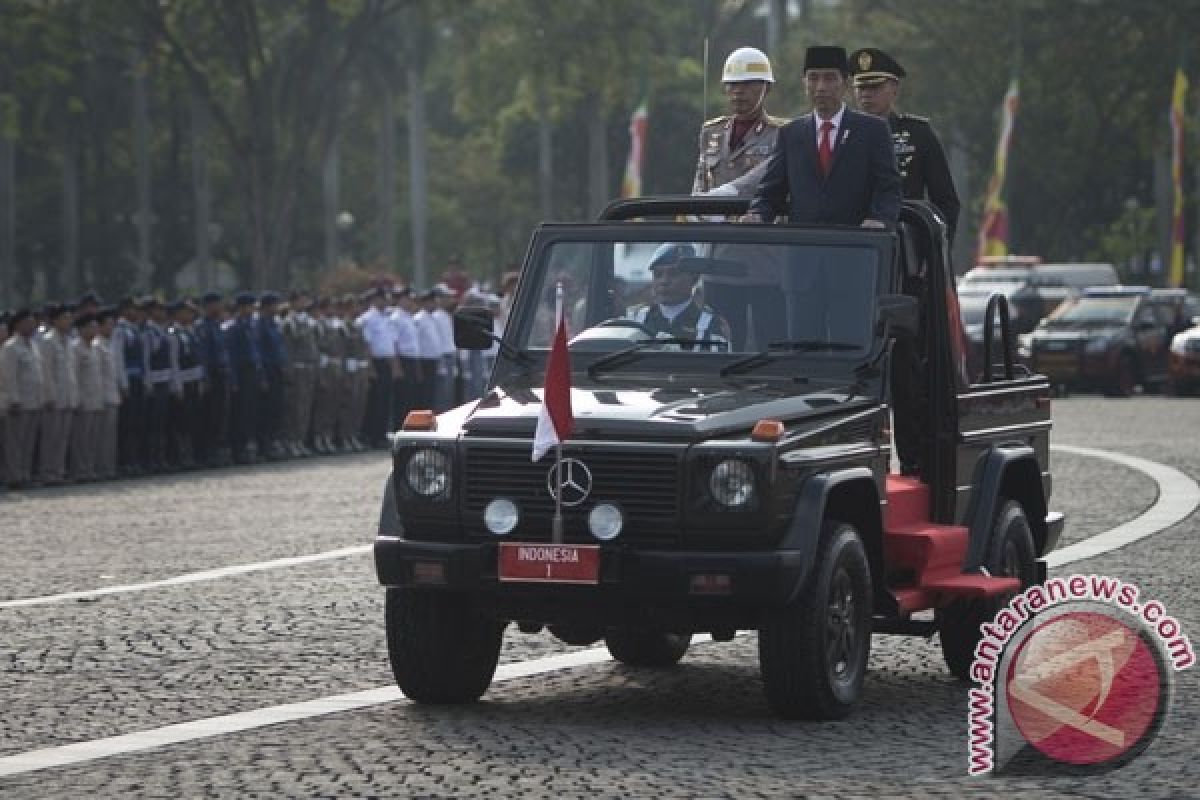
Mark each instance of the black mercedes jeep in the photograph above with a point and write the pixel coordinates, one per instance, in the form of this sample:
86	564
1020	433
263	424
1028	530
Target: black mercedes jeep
729	465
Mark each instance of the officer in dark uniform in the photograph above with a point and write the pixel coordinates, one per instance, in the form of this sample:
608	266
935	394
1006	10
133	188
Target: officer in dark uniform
187	429
161	382
241	335
675	314
274	359
218	383
924	172
924	175
131	417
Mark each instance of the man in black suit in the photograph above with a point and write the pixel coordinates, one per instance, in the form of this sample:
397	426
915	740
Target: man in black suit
833	166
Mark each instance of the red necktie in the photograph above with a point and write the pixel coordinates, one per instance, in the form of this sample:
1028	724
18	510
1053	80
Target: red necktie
825	148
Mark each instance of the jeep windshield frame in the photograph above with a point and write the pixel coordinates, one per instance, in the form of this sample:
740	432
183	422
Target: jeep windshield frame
533	302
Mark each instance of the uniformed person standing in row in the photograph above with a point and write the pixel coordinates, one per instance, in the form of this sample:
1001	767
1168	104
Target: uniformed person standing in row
356	363
300	381
274	359
924	172
186	428
24	393
242	338
161	382
61	396
89	381
218	383
329	372
131	419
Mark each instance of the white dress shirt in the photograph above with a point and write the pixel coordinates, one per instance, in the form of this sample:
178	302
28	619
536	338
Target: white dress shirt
405	332
429	340
379	332
835	132
445	331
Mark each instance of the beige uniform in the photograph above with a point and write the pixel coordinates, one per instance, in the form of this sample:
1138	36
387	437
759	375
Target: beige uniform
22	377
61	398
355	374
330	346
741	167
86	421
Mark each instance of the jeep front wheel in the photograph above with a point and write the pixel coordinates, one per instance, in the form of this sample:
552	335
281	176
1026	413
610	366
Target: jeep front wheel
442	649
1011	555
646	648
813	652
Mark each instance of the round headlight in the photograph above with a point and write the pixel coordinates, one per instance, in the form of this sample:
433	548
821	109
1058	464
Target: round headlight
605	521
428	472
500	516
732	483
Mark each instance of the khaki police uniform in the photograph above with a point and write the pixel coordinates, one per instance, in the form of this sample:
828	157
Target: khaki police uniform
743	166
300	380
330	348
356	364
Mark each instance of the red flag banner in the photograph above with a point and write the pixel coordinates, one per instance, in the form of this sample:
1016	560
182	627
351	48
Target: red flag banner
555	420
1178	96
993	231
631	185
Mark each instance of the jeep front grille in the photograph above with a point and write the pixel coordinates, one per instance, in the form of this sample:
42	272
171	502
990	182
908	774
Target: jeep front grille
644	484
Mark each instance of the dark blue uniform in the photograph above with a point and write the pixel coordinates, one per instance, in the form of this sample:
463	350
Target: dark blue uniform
274	356
186	421
246	362
160	380
213	353
131	418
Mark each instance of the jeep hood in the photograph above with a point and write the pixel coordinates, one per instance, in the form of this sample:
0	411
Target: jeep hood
666	413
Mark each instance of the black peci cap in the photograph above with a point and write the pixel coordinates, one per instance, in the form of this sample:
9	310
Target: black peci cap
826	57
211	297
871	66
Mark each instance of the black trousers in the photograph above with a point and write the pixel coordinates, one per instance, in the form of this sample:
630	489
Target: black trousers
243	417
158	401
131	425
405	390
186	425
426	393
270	409
214	415
378	420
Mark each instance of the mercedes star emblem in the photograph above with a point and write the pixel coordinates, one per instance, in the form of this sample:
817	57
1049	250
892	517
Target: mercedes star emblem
575	479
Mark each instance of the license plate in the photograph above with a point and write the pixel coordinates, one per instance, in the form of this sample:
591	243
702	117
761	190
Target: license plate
549	563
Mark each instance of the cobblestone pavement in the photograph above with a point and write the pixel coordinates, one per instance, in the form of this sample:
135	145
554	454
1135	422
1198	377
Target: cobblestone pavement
73	671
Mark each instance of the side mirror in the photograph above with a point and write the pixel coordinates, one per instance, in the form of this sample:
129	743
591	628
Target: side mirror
900	314
473	329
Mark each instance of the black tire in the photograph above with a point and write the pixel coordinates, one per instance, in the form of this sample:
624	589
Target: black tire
813	652
1011	555
647	648
443	650
1125	380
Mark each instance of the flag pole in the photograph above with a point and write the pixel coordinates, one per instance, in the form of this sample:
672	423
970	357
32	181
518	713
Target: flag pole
556	526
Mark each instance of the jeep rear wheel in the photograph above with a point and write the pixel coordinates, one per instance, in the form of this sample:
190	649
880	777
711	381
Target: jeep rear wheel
647	648
442	649
1011	555
813	652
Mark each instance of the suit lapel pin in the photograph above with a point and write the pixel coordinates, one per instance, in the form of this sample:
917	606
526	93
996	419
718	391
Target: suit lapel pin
845	135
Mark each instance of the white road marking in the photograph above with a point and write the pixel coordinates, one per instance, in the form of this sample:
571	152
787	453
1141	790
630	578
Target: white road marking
1178	496
190	577
125	744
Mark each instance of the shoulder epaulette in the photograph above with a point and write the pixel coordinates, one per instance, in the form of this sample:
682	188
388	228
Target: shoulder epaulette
715	121
777	122
915	118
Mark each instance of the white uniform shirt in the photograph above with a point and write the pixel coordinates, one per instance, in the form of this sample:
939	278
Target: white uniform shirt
85	363
407	345
112	364
21	373
60	391
429	340
445	331
378	331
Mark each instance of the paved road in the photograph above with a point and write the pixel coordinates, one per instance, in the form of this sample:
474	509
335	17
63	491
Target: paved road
74	671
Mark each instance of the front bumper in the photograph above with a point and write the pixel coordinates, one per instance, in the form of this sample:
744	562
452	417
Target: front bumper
1075	368
627	575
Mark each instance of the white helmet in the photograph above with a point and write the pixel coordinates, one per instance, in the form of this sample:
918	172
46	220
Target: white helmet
747	64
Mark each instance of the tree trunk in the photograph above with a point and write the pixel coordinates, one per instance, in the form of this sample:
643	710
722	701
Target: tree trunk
141	143
330	198
386	181
418	183
201	192
545	153
776	26
599	191
8	215
69	281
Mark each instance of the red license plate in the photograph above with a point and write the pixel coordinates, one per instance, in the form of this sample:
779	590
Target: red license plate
549	563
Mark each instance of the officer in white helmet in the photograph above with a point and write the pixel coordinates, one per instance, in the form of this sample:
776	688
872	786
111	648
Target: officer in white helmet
734	147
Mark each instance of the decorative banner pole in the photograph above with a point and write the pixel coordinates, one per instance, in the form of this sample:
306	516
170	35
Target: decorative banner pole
555	420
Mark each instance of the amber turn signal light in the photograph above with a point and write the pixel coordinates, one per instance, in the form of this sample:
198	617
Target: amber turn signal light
767	430
420	420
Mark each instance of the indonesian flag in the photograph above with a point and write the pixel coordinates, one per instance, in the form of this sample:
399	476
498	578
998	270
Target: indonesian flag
631	186
993	232
1178	95
555	419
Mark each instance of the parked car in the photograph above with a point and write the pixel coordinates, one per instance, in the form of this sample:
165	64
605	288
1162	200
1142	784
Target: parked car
1032	290
1111	338
1183	361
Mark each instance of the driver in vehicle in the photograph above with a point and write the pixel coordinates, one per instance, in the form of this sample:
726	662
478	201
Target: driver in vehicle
675	312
